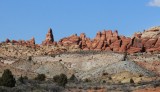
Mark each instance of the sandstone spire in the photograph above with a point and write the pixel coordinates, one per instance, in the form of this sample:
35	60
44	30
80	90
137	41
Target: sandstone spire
32	41
49	38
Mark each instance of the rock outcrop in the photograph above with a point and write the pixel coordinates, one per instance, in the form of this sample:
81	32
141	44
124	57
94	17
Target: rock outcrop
148	41
49	38
30	42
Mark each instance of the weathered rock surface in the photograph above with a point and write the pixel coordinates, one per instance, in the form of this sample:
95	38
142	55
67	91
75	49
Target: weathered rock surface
148	41
30	42
49	38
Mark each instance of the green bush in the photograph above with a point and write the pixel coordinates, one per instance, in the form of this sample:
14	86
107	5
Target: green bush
61	79
7	79
87	80
0	81
21	79
56	78
73	78
40	77
131	80
25	77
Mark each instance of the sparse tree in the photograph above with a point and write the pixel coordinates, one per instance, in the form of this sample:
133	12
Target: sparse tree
125	56
131	80
7	79
21	79
73	78
40	77
56	78
61	79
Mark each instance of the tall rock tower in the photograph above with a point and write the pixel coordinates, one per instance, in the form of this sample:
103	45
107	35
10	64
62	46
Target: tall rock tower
49	38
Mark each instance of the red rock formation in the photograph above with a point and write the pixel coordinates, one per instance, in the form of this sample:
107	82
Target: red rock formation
88	43
125	43
31	42
103	36
14	41
116	45
83	36
134	50
138	35
71	40
100	45
115	33
7	40
111	41
109	34
151	39
98	36
157	43
148	41
49	38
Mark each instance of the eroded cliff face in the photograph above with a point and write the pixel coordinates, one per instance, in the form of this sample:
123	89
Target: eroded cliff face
148	41
94	59
107	40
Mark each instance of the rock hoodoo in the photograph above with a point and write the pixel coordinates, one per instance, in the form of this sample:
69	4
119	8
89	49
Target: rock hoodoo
148	41
49	38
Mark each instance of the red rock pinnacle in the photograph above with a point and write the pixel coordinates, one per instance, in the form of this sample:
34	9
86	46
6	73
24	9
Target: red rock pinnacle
49	38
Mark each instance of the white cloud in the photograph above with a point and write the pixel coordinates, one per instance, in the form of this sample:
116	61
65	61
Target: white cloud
155	3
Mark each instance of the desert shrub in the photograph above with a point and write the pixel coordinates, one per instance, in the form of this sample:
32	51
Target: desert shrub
29	58
131	80
0	81
87	80
110	78
7	79
3	89
61	79
40	77
140	75
159	57
80	88
156	85
105	74
20	79
124	57
25	77
103	81
73	78
56	78
95	88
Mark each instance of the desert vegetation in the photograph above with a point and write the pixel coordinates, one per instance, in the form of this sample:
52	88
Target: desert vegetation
77	63
7	79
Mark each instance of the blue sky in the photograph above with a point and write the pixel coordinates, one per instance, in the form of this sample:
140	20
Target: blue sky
23	19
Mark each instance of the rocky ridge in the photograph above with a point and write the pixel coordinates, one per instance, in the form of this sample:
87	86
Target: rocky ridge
148	41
